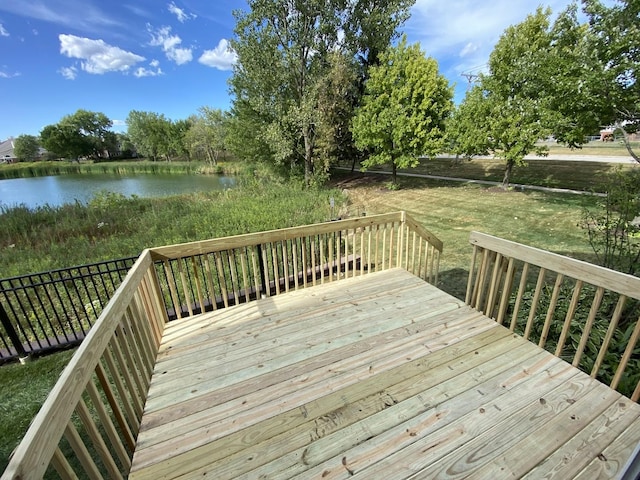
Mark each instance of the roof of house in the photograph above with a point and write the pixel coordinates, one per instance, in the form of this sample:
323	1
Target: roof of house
6	149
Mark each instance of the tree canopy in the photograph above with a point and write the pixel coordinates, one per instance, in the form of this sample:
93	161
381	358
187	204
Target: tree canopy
26	147
286	49
404	109
503	114
82	134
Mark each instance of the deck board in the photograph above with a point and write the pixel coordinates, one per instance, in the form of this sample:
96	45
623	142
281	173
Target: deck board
378	376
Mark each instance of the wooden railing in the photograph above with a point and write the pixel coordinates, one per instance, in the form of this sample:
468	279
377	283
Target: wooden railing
88	425
585	314
212	274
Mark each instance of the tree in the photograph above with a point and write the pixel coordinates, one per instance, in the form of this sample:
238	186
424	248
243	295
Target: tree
206	137
504	115
149	133
284	49
613	81
281	47
81	134
64	141
405	106
26	147
338	95
614	226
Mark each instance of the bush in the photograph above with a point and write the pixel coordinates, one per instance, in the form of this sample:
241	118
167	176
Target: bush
614	228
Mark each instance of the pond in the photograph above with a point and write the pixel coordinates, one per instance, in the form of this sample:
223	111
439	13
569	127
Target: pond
61	189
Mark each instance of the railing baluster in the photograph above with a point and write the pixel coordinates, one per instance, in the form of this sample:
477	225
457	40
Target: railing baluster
126	401
521	287
245	275
109	427
171	281
534	303
506	291
595	305
80	449
613	324
255	261
234	277
116	405
631	345
98	442
62	466
551	310
210	282
196	279
573	306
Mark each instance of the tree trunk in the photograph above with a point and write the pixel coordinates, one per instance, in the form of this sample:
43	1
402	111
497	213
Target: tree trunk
627	143
507	174
308	155
394	173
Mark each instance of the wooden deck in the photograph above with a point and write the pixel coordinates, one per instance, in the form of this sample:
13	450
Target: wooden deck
377	377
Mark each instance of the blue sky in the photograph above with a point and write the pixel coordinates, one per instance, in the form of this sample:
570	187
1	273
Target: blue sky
110	56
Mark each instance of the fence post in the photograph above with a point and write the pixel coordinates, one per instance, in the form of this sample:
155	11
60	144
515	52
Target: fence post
13	335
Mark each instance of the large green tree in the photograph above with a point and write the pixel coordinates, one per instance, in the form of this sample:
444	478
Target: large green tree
404	109
151	133
81	134
281	47
26	147
504	114
285	54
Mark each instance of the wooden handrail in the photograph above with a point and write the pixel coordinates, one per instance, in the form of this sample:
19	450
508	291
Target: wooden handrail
133	312
216	273
91	418
508	279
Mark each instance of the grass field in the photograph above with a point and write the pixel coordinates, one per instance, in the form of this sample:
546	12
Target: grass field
573	175
452	211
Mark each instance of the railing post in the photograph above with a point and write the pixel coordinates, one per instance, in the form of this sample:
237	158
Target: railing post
13	336
263	278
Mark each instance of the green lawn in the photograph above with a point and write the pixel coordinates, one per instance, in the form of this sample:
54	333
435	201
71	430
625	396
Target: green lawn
452	211
24	390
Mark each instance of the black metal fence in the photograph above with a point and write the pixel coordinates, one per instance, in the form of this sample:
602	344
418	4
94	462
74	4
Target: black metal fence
49	310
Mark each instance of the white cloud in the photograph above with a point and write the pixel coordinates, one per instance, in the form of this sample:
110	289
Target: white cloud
77	14
468	49
98	57
118	123
145	72
222	57
8	75
169	43
154	63
180	14
70	73
3	31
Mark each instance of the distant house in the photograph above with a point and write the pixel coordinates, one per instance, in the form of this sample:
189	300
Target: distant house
6	151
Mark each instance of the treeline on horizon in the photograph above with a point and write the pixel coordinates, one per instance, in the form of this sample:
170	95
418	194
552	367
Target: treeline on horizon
334	81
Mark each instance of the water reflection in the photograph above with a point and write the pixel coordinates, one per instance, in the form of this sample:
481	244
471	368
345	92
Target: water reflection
57	190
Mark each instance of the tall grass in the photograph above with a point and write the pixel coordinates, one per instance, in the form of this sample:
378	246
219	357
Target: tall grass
46	168
112	226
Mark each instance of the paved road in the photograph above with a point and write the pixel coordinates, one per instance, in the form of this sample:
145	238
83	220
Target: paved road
571	158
